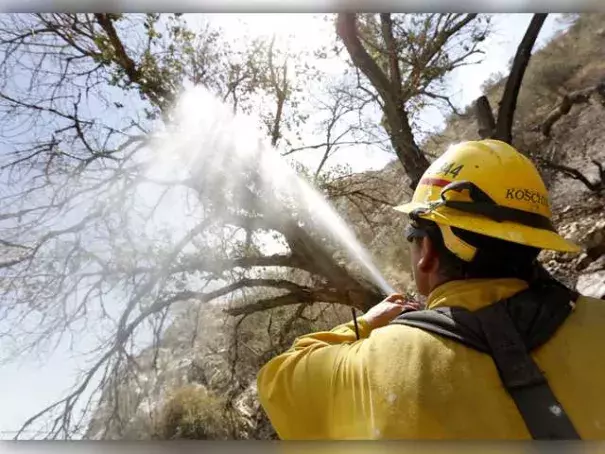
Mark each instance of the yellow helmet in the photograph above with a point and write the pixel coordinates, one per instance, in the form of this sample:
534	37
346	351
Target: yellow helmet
486	187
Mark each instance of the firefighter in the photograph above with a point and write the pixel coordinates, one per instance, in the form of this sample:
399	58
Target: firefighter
500	351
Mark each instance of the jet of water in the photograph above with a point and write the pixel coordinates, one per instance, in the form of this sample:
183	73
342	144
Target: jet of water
329	219
222	151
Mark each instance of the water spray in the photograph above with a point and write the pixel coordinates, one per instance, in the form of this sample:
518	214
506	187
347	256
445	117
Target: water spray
217	148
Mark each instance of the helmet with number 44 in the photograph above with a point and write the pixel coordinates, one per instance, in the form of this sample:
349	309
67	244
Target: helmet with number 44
487	187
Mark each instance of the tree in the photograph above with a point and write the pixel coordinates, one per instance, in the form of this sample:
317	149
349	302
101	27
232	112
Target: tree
501	128
86	249
405	58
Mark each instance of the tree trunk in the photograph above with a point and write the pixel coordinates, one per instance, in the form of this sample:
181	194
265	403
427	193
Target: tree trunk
402	139
508	103
485	117
407	150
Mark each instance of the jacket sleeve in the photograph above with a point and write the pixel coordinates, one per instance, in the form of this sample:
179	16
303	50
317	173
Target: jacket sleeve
297	388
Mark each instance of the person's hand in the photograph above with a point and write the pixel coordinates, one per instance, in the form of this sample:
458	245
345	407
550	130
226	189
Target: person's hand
388	309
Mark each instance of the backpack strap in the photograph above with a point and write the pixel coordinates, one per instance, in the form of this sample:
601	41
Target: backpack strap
508	330
453	323
543	414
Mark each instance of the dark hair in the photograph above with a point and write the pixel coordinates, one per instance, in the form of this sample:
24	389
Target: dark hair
495	258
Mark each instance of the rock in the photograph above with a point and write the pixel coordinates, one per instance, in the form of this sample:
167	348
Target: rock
247	402
595	237
583	261
592	284
598	264
553	265
565	257
589	232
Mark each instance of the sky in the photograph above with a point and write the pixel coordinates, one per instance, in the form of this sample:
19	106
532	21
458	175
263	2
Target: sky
465	82
29	385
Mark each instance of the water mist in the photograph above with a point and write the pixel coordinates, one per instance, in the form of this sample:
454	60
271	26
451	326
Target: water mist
221	151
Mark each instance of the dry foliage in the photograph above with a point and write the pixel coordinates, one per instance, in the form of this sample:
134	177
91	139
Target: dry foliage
193	413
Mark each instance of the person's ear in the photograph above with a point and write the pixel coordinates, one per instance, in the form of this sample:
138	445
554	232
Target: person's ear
429	258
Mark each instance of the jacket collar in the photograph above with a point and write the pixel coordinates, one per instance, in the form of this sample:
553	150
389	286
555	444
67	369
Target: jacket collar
473	294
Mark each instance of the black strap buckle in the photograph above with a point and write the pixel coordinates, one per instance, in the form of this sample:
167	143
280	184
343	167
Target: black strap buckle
482	204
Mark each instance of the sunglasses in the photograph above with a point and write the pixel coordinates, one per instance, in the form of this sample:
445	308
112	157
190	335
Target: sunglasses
413	232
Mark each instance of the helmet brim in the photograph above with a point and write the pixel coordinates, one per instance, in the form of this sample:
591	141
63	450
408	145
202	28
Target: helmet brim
508	231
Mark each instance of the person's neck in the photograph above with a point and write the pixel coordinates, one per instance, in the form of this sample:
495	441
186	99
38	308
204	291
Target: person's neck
438	280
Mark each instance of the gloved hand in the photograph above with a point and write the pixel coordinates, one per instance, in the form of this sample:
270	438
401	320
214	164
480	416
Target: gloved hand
388	309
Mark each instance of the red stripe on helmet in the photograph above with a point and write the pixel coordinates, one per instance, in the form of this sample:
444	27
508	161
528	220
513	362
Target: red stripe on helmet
439	182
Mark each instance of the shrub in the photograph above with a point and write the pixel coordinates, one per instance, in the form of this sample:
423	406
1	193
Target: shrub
193	413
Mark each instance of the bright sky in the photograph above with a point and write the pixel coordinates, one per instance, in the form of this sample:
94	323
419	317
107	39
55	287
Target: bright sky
27	387
293	29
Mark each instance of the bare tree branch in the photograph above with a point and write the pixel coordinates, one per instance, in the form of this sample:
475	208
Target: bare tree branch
575	174
424	61
501	127
576	97
508	103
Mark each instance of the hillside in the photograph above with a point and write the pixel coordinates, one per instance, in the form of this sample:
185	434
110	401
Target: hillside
207	390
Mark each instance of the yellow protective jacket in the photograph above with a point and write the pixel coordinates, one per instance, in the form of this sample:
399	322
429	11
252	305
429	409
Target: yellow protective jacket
399	382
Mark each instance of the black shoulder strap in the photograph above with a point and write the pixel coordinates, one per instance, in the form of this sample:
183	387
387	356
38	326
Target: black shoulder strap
542	413
508	330
453	323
